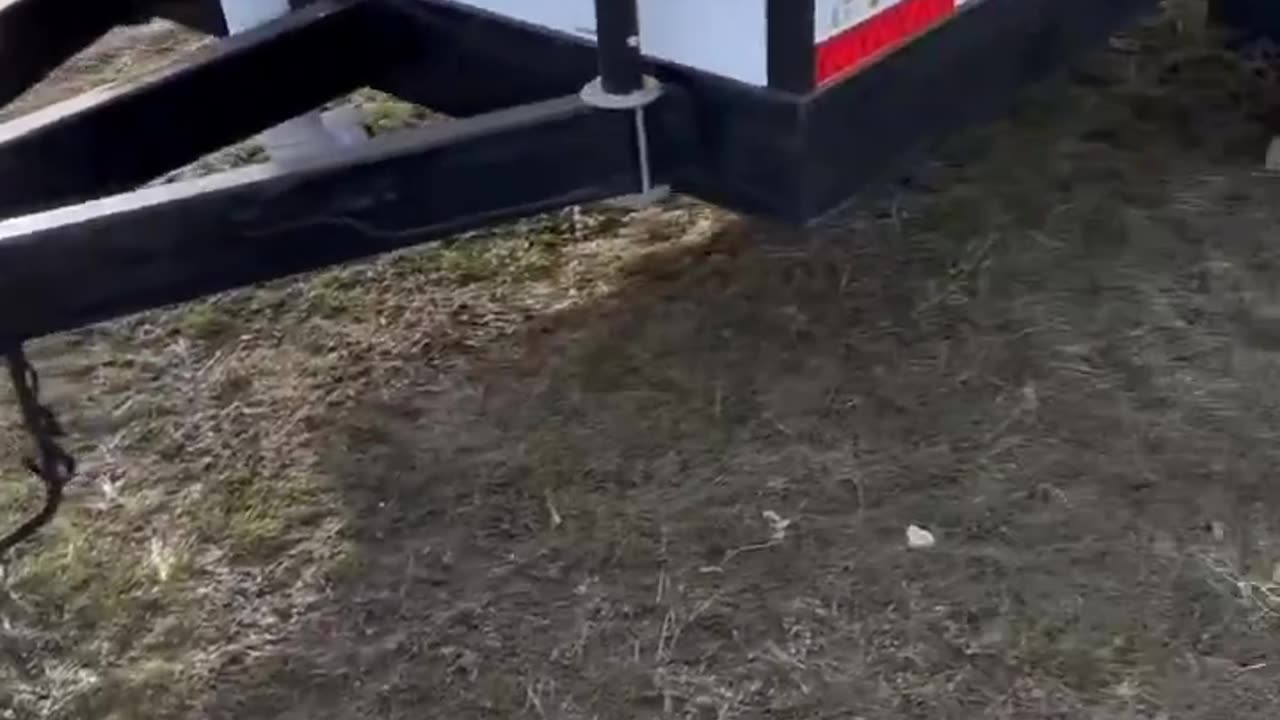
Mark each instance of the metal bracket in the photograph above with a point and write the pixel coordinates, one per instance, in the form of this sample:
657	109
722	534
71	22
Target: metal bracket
594	95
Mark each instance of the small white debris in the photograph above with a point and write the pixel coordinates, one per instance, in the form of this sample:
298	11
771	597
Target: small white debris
1275	574
164	558
1273	155
1127	689
1219	530
920	539
1030	398
777	525
556	519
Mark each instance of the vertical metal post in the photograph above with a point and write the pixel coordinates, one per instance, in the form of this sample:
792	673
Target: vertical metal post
622	84
618	46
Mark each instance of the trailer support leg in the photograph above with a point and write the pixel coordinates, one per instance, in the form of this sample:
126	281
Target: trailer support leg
618	46
623	86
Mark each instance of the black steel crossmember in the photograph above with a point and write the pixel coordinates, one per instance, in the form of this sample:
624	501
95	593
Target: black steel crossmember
72	266
115	140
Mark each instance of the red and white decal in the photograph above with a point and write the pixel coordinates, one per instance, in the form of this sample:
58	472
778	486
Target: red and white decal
851	34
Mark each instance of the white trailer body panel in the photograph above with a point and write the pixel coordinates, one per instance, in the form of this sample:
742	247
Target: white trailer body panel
728	38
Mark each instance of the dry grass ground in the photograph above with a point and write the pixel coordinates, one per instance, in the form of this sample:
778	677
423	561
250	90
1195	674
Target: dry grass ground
661	465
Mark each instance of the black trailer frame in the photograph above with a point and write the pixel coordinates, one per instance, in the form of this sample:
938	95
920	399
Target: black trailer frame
540	121
524	138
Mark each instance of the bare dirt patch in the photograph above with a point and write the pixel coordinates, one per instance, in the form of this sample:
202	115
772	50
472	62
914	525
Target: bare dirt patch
661	465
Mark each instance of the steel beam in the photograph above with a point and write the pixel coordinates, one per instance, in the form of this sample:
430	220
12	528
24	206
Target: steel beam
115	140
36	36
73	266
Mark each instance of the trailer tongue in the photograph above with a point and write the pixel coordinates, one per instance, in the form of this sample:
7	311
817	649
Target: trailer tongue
776	108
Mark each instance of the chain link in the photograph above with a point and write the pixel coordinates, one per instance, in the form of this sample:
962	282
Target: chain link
51	462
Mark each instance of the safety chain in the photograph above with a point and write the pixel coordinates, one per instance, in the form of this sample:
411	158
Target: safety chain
52	464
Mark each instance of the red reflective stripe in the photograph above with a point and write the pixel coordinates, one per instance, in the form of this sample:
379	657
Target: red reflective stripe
861	44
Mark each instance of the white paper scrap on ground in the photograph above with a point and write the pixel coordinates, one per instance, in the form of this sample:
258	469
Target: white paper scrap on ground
919	539
1273	155
777	525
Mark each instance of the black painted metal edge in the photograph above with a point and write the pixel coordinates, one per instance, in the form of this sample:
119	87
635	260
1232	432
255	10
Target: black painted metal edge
72	266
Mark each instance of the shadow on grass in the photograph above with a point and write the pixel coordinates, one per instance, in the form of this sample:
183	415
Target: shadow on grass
688	499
